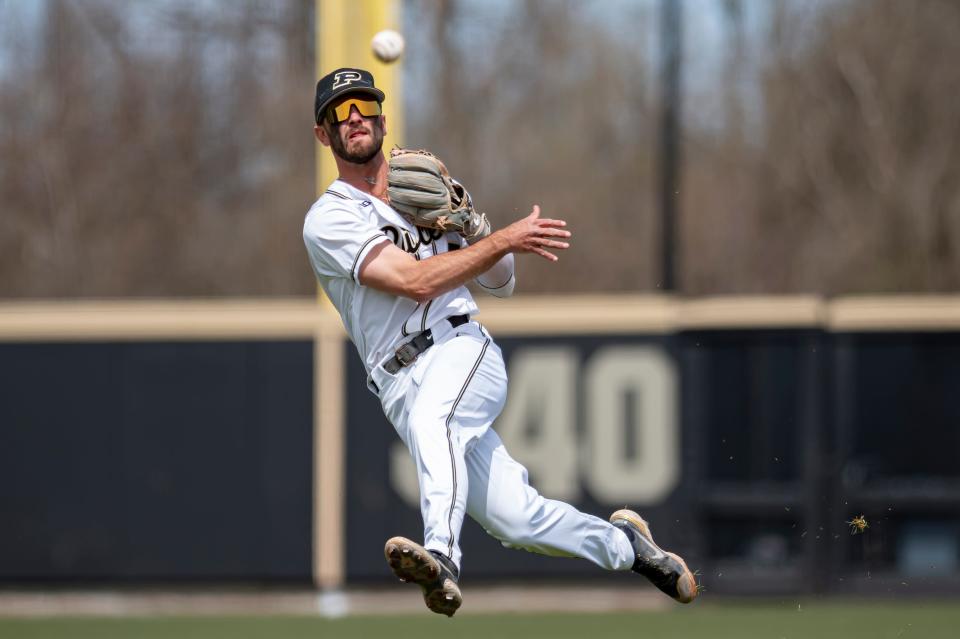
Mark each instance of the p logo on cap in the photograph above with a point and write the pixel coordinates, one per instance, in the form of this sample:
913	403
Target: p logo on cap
345	78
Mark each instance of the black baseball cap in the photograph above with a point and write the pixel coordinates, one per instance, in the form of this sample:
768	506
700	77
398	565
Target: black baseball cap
342	81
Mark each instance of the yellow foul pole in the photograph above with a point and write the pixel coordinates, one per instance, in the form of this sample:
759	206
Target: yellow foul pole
343	30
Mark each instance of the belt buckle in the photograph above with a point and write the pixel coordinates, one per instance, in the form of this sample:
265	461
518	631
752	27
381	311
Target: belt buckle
407	354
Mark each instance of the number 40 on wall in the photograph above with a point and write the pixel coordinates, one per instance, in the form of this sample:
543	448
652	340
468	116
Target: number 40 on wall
608	425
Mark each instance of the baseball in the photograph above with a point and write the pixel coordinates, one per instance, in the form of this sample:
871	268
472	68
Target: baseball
387	45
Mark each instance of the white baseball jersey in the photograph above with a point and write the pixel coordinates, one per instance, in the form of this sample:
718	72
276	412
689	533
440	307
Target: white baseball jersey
339	231
443	405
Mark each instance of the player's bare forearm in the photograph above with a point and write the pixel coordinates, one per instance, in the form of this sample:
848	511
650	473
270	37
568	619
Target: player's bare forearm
391	270
531	234
447	271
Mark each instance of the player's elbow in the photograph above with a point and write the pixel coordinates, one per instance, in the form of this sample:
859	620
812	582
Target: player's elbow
421	295
425	290
414	285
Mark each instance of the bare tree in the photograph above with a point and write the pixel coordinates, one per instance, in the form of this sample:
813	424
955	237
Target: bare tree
854	185
166	154
167	151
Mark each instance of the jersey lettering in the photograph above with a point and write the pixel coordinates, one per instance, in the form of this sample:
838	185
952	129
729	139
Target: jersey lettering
405	240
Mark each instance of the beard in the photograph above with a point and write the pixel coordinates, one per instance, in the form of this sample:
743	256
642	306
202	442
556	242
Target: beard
364	152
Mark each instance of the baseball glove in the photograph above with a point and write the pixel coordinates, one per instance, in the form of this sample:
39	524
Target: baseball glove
421	189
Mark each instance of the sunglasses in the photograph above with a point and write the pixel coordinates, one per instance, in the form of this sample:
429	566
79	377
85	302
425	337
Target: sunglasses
340	112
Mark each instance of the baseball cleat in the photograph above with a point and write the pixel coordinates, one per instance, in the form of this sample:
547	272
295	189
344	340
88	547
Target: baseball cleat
433	572
665	570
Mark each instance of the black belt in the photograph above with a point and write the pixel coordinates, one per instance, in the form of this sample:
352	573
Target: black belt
409	352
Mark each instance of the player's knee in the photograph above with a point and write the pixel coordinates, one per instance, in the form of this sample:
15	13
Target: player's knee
509	533
515	525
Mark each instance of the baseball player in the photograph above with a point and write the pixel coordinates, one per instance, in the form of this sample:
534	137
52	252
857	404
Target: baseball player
439	375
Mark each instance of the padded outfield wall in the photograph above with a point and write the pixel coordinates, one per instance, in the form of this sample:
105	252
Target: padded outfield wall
235	442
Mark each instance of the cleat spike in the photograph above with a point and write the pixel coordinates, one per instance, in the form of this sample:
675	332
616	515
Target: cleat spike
435	575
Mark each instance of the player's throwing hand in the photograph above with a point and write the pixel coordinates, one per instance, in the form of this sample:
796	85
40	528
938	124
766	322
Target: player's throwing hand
534	234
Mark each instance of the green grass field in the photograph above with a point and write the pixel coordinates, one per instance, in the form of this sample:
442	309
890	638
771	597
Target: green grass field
717	620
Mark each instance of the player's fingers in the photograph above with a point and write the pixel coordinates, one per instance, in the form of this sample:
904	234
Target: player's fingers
544	254
546	221
549	232
535	213
554	244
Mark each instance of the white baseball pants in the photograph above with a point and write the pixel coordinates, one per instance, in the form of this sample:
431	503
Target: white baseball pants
443	407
